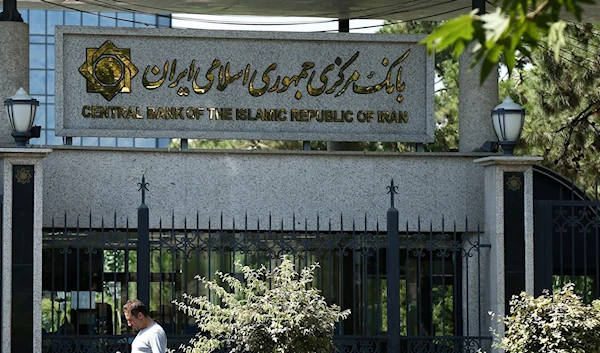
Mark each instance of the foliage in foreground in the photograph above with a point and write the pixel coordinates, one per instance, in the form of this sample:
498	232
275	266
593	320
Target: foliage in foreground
269	311
556	323
517	26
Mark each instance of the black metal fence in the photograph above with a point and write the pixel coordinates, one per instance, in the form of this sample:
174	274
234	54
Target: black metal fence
568	246
566	234
417	289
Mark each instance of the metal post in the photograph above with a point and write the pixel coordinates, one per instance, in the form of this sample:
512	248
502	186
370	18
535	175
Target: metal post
543	246
344	25
478	4
143	247
10	12
393	273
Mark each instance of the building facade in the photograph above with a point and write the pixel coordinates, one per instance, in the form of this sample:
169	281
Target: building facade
42	71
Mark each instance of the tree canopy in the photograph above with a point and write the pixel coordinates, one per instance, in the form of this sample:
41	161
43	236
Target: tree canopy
562	103
515	28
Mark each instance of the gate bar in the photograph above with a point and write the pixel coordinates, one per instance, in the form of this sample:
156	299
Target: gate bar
393	273
143	248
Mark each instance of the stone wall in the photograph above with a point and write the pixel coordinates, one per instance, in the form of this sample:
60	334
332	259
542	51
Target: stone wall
260	184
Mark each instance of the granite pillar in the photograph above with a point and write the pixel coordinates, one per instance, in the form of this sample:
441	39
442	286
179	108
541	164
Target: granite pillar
14	69
475	103
21	185
503	177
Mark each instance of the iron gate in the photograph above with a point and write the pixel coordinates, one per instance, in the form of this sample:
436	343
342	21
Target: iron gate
567	245
410	289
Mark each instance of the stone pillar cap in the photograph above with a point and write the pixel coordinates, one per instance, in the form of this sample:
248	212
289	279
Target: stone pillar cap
508	160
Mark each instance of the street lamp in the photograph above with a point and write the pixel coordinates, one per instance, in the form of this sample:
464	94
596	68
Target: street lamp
20	110
508	118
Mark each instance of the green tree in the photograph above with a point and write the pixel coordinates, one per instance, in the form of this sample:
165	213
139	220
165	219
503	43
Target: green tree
276	311
516	28
562	104
558	322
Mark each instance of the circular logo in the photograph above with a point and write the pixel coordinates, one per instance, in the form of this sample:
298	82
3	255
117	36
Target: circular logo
108	70
23	176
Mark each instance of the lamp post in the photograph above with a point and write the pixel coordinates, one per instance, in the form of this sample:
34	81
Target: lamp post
10	12
508	118
20	110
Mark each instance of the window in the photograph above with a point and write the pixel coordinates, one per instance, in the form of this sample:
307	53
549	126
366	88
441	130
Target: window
41	62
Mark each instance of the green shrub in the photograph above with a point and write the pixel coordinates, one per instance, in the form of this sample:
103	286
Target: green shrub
551	323
268	312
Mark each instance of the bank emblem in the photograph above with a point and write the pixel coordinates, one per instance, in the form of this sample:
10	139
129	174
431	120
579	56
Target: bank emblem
514	183
23	176
108	70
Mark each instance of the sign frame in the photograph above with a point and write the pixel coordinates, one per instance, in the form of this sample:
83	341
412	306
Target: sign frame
72	44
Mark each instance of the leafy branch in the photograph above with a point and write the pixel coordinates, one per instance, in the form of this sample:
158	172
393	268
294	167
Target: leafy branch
274	311
579	123
511	31
553	322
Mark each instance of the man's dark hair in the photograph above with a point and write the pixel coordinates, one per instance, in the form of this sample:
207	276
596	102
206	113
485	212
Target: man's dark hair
135	306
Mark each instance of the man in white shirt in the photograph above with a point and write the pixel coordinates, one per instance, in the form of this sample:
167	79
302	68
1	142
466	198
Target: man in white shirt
151	337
